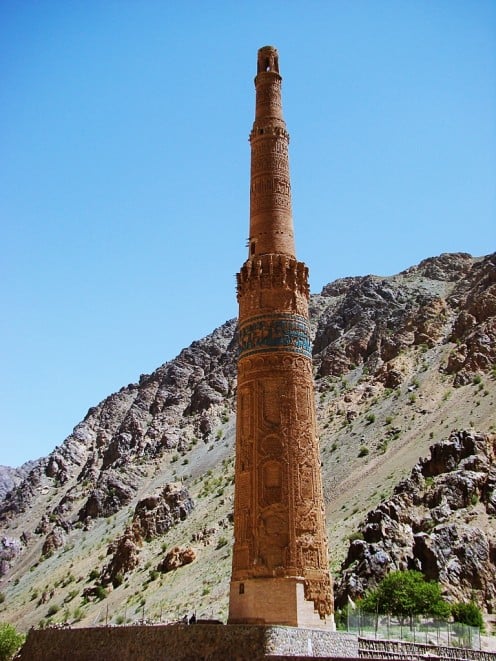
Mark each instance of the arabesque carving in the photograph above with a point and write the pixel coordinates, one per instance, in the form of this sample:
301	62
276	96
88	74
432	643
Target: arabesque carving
279	526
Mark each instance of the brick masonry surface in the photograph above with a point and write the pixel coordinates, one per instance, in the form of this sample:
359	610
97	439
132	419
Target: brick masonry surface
279	526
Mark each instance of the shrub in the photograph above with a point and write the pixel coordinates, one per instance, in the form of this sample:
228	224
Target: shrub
10	641
78	614
370	418
53	609
94	573
405	594
100	592
222	541
118	579
70	596
467	613
341	618
363	452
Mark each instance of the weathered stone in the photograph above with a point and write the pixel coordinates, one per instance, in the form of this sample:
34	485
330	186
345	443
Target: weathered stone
125	557
176	557
155	515
54	540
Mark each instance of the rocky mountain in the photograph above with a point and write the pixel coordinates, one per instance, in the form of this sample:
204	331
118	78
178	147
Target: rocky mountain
12	477
134	507
440	521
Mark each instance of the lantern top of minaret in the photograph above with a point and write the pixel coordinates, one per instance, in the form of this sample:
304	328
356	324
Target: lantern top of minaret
268	59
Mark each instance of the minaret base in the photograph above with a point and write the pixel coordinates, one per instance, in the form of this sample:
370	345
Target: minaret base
274	601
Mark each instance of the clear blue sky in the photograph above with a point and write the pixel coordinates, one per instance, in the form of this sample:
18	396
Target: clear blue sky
125	166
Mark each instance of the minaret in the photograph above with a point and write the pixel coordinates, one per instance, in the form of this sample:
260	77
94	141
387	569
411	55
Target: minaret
280	572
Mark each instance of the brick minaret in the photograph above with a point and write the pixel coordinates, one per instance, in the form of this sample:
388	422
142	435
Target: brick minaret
280	571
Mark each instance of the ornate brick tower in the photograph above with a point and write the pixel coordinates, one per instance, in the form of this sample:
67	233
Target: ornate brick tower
280	569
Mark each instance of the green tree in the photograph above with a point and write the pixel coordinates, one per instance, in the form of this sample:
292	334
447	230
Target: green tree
10	641
467	613
405	594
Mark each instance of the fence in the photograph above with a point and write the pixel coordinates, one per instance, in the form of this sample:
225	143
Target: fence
415	630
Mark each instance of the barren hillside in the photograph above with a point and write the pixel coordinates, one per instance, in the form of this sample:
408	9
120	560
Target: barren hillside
90	533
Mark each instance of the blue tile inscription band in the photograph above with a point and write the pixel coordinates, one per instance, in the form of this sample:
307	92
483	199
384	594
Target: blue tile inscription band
275	332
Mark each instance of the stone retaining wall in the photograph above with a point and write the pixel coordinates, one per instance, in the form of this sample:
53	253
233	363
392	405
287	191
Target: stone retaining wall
186	643
209	642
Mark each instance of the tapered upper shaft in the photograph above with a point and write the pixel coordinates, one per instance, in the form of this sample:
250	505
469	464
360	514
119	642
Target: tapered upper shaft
271	223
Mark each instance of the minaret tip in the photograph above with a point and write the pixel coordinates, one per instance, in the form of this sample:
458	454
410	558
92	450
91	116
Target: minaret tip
268	59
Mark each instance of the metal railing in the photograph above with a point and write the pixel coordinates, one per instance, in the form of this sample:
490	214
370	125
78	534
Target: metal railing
416	630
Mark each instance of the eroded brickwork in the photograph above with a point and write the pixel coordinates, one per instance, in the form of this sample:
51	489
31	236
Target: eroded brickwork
279	525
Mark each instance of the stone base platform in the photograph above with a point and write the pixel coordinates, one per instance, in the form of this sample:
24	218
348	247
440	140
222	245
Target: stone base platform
180	642
275	601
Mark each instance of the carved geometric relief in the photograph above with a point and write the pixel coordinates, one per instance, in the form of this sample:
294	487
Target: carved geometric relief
306	483
306	521
279	511
244	413
269	93
271	445
304	401
267	201
319	590
244	454
310	557
268	161
271	402
277	145
272	482
273	536
243	489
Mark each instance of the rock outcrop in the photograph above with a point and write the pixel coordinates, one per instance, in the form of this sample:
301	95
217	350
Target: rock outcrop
371	320
11	477
124	554
440	521
9	548
176	557
153	516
